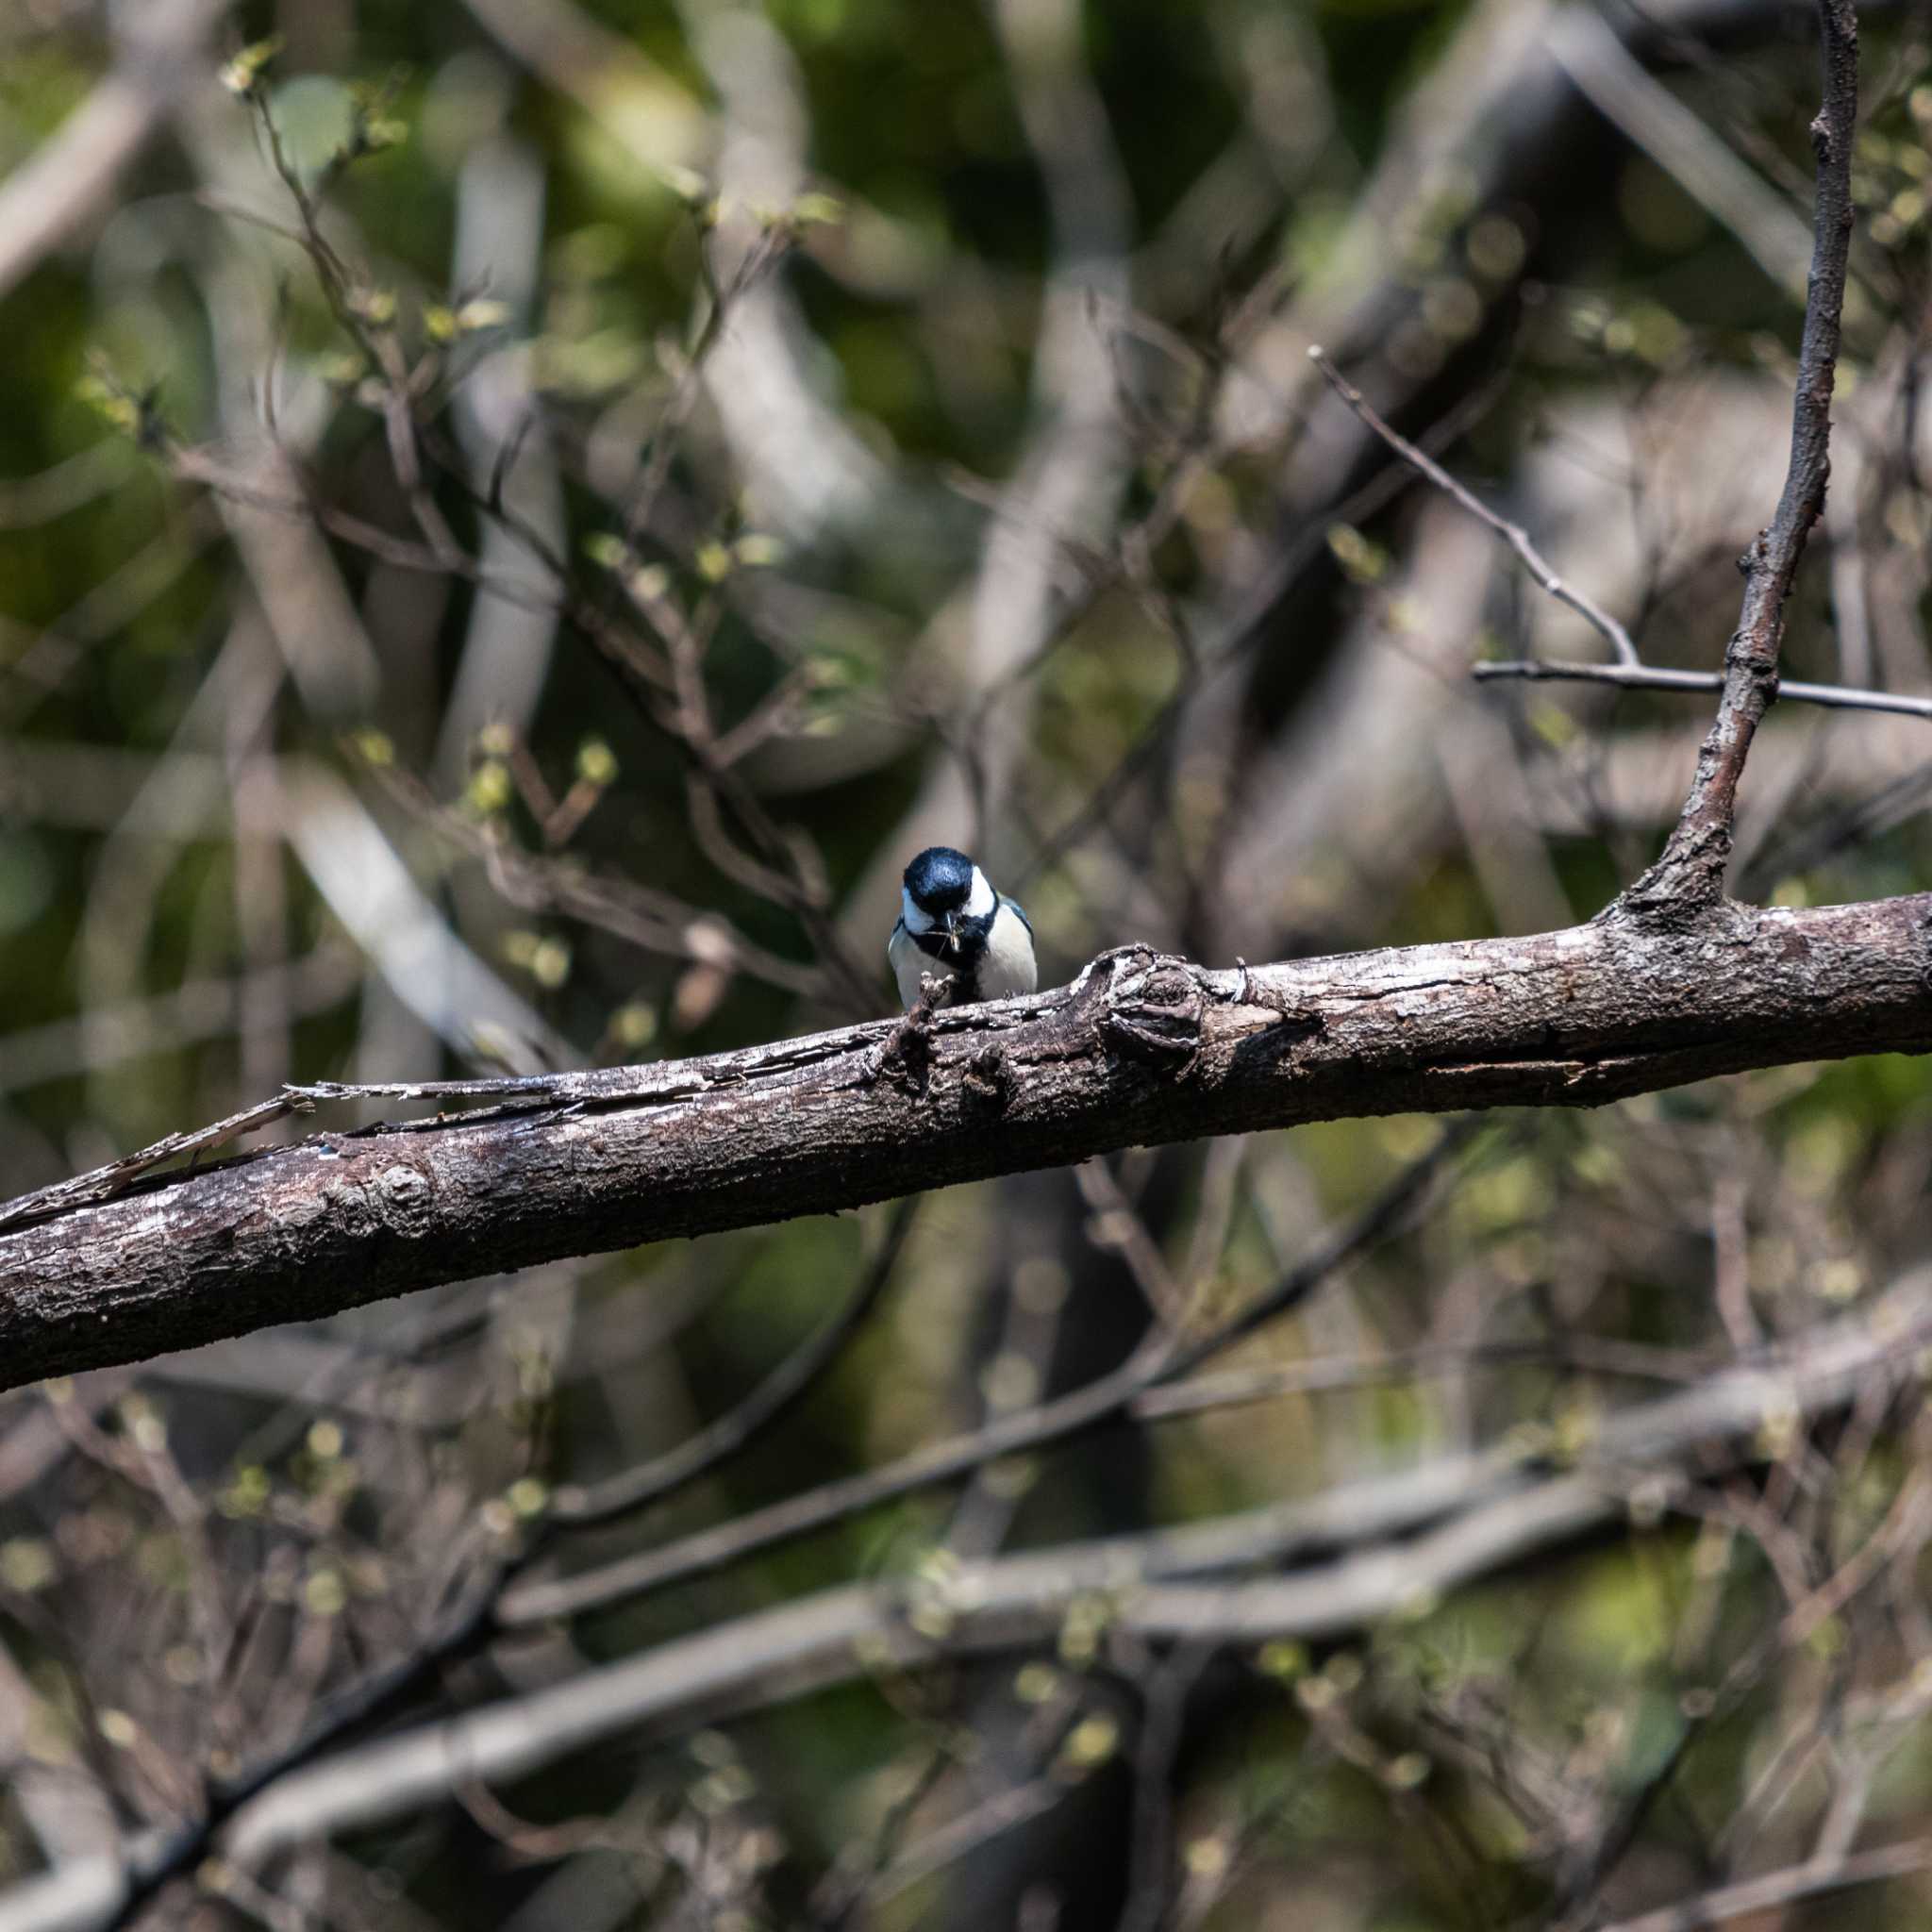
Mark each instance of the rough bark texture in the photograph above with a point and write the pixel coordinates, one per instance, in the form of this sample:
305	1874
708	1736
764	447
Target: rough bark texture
1141	1048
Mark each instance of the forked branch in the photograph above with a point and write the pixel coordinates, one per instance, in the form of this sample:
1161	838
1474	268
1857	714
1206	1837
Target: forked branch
1688	880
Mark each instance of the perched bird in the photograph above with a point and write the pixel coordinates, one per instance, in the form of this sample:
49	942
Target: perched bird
952	923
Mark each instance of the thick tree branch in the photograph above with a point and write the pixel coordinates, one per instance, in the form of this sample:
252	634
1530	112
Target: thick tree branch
1140	1049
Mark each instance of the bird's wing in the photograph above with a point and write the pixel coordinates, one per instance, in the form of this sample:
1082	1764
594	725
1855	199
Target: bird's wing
909	964
897	933
1014	906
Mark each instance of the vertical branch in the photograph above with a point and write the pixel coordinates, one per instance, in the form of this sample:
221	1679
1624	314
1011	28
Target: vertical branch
1689	876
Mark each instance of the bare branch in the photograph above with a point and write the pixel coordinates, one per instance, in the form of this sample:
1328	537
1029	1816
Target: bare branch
1164	1358
1843	697
1141	1049
719	1441
1512	534
1690	873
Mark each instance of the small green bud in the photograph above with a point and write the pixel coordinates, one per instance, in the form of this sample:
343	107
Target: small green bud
481	313
596	762
759	552
377	307
242	75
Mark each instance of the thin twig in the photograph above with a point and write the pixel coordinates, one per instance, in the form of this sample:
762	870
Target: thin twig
1586	1353
1843	697
1005	1811
1689	876
1512	534
650	1482
1166	1357
1243	633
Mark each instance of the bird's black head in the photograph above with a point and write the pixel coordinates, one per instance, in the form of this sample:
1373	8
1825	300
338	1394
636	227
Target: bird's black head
940	880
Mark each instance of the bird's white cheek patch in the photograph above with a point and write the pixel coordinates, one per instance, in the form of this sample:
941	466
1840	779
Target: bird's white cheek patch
915	920
979	902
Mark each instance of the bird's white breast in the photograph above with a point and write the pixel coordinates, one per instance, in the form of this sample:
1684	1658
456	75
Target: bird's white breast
1007	967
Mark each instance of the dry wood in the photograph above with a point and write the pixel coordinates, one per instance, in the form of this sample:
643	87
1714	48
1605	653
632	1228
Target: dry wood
1140	1049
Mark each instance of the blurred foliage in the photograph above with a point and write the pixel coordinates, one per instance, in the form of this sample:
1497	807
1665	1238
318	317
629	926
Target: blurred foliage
170	946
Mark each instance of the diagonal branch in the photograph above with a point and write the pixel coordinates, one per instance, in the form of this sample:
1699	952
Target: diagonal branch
1162	1360
719	1441
1748	1897
1689	876
1514	534
1141	1049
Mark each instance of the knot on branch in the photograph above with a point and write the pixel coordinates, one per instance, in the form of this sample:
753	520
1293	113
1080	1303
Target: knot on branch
1149	1008
403	1197
905	1056
988	1080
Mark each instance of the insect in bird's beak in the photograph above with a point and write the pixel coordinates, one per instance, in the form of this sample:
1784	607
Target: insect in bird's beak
952	930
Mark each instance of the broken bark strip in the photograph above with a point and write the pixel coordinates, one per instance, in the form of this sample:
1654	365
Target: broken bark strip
1141	1048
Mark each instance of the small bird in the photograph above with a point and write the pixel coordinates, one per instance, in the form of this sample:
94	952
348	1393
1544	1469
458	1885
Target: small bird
952	924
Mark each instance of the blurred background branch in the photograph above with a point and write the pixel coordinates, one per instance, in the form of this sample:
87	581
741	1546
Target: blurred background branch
517	520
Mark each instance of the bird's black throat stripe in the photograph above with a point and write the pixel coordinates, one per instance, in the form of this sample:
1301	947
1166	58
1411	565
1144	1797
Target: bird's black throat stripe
960	951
